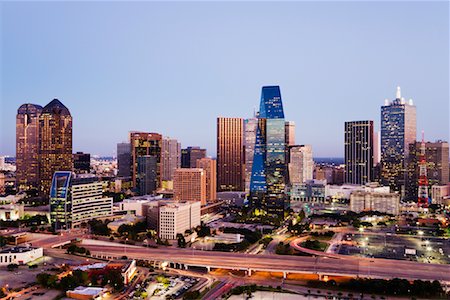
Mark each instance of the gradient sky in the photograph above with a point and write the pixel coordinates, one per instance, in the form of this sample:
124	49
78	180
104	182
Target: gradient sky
174	67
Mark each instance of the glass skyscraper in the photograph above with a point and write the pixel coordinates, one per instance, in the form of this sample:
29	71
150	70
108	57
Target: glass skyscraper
269	172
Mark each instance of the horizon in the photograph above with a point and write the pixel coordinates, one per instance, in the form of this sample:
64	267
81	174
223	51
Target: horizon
165	71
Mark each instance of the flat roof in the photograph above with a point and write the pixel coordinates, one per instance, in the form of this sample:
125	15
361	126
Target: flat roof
17	249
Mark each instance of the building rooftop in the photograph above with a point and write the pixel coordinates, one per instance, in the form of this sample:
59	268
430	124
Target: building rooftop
88	291
17	249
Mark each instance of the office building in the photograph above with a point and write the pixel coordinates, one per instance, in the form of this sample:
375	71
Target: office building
376	148
74	201
144	143
398	130
269	170
11	212
359	148
310	191
190	185
190	155
176	217
439	193
301	164
20	255
230	154
210	168
27	146
289	133
81	163
55	143
368	201
146	174
170	158
123	159
437	166
250	126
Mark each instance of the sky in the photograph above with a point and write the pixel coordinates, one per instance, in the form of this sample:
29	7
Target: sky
174	67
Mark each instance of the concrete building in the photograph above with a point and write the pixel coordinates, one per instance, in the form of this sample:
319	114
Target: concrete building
344	191
190	155
87	293
301	164
11	212
310	191
250	126
210	167
368	201
74	201
439	193
230	154
190	185
289	130
19	255
170	158
177	217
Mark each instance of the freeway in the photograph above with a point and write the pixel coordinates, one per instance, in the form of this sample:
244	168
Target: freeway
351	266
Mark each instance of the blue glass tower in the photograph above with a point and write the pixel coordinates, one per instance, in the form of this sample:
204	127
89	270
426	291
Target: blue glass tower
268	178
60	201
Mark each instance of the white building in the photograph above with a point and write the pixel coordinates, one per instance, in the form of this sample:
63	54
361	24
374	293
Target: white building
439	193
177	217
301	164
344	191
19	255
373	201
11	212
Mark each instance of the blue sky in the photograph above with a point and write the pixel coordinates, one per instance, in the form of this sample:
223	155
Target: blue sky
174	67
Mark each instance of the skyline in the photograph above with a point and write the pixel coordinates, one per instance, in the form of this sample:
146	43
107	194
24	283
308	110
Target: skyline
184	66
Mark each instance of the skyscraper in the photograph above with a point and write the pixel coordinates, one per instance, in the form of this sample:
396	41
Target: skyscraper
145	143
290	133
269	172
170	158
27	146
359	152
189	184
301	164
190	155
250	126
123	159
55	143
230	156
398	130
210	168
81	162
146	178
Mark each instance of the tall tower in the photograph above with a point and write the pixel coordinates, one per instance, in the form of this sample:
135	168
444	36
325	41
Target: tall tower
423	180
170	158
398	130
230	154
250	126
27	146
269	171
55	143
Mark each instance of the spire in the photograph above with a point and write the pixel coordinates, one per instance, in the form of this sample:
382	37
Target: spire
423	137
398	94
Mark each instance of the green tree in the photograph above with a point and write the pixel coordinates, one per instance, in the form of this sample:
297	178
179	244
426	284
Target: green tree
181	241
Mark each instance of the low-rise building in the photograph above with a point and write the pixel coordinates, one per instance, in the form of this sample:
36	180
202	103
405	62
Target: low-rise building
19	255
311	191
372	201
86	293
11	212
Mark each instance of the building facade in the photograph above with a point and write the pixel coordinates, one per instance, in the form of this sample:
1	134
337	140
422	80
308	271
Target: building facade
147	174
170	158
230	154
190	155
27	146
269	170
290	133
81	163
177	217
123	159
359	152
210	168
301	164
250	126
190	185
368	201
398	130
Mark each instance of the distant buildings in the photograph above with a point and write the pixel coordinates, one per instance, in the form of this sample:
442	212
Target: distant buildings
230	154
190	185
398	130
210	168
170	158
81	163
368	201
250	126
123	159
74	201
190	155
301	164
269	170
359	152
146	177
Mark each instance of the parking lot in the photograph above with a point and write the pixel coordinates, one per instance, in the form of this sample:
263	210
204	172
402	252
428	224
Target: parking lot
161	286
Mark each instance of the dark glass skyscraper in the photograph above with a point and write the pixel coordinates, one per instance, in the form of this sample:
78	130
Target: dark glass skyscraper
269	172
123	159
146	174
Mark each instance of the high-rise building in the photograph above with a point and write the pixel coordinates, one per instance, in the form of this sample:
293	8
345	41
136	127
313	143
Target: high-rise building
145	143
269	171
437	165
74	201
123	159
146	181
209	166
81	162
170	158
55	143
190	185
250	126
301	164
398	130
190	155
376	148
27	146
359	148
290	133
230	154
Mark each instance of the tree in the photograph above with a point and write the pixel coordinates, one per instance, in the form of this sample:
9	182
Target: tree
181	241
12	267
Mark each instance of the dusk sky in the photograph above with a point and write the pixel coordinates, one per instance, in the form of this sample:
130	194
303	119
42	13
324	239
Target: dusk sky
174	67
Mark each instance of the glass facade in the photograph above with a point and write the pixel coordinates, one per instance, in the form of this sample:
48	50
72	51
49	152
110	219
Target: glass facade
268	179
60	201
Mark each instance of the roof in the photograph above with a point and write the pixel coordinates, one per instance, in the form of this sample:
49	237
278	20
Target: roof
29	108
91	291
56	107
17	249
